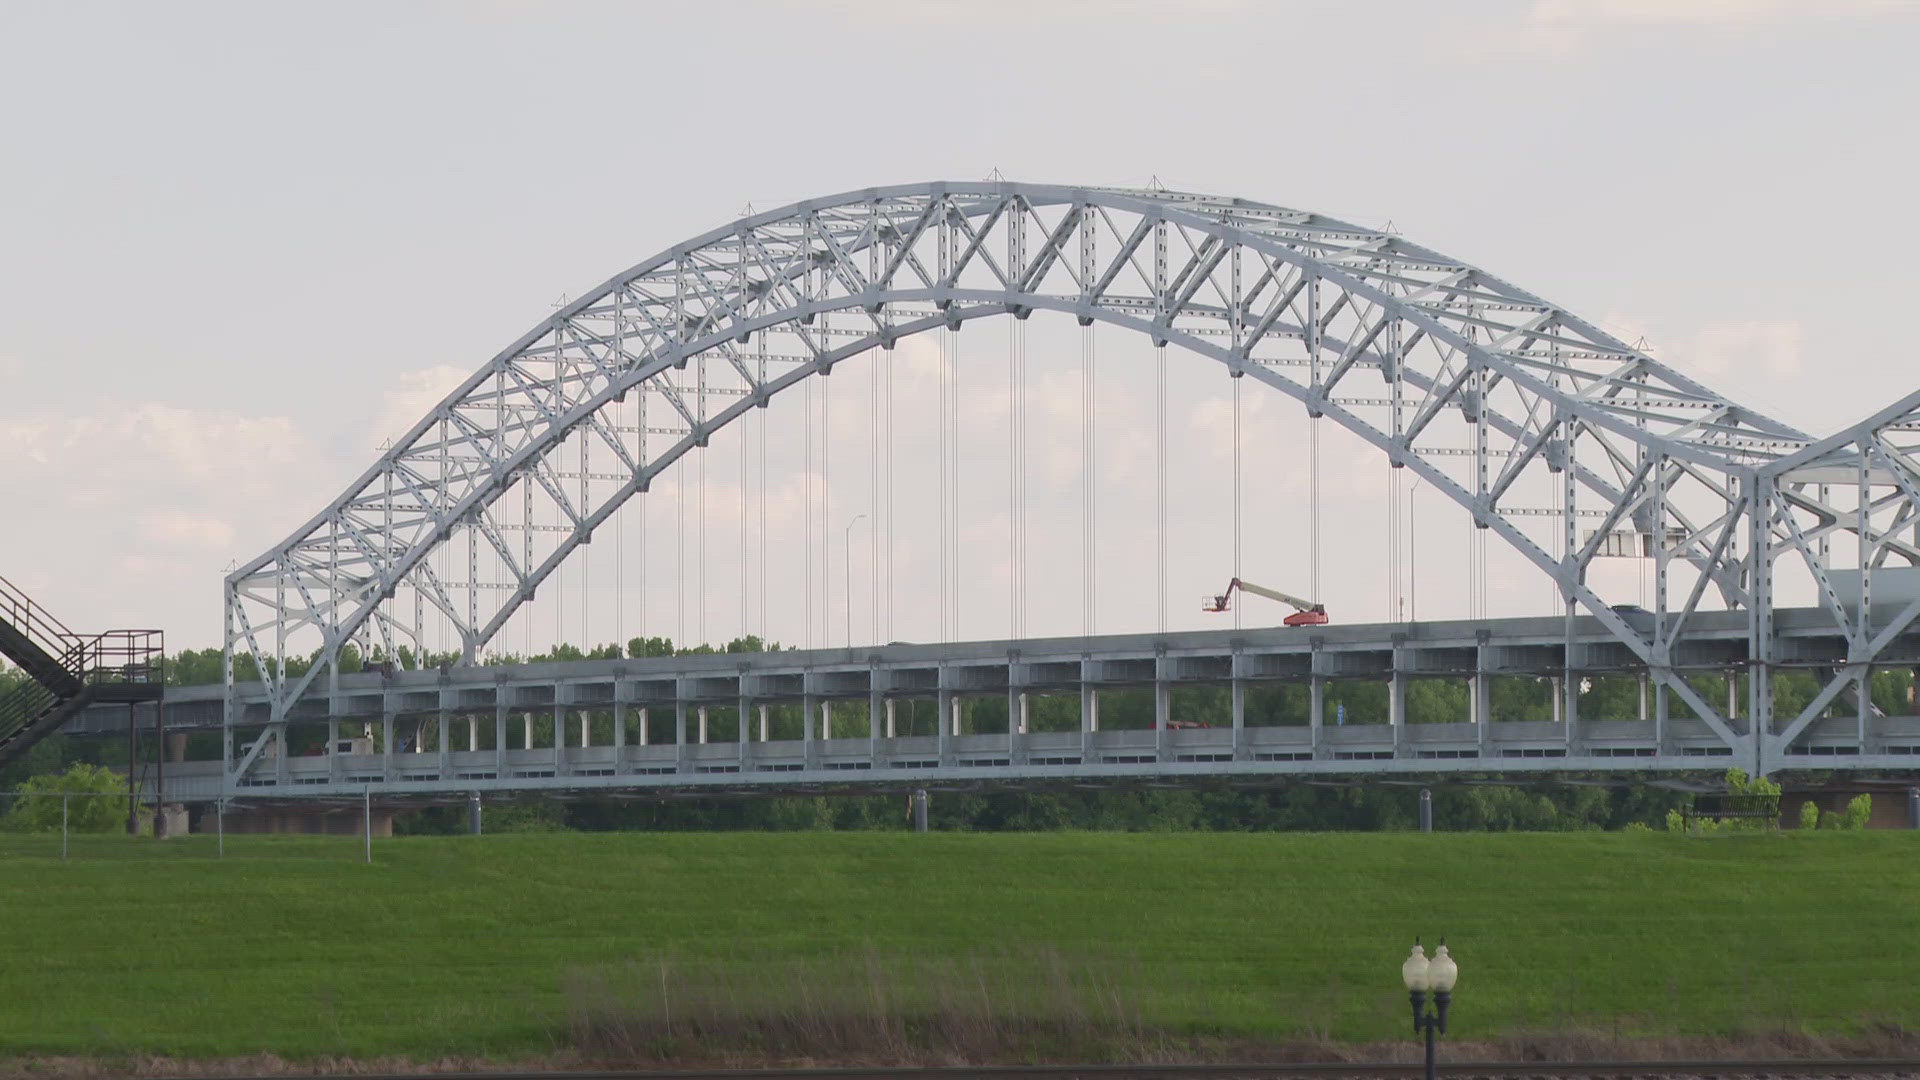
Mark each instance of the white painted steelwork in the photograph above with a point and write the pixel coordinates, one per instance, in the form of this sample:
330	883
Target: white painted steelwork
1485	391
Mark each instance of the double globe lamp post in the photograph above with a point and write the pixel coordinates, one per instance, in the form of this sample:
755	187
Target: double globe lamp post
1436	977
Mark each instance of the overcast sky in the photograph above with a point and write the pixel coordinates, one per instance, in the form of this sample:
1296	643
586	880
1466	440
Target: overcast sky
243	244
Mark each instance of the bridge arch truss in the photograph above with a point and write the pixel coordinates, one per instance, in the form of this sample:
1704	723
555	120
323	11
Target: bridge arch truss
1490	394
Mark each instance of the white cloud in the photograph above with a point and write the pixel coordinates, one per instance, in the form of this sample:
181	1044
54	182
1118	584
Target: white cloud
136	510
186	529
1555	27
1745	360
410	396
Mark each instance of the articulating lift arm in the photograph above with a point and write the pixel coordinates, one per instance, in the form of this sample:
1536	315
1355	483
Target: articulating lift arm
1306	612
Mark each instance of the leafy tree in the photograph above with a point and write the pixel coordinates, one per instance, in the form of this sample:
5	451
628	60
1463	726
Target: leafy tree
83	790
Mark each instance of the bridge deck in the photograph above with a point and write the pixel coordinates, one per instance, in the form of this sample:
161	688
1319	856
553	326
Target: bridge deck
431	721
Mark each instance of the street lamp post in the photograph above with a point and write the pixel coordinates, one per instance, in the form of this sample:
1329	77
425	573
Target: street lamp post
1437	977
846	549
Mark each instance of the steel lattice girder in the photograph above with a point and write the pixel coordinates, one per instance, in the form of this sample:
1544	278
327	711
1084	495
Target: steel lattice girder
1300	302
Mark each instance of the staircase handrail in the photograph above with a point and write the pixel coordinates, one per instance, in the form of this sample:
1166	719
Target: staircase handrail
49	633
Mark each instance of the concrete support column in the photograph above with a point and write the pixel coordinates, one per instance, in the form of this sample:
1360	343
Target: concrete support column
1480	700
680	734
1660	715
826	720
333	747
526	731
386	744
1570	688
1733	695
1397	705
559	736
700	718
892	728
445	721
766	725
473	732
640	727
586	729
1023	702
1238	698
1426	809
619	732
500	732
743	726
1641	695
1316	711
920	801
1556	683
1162	712
943	719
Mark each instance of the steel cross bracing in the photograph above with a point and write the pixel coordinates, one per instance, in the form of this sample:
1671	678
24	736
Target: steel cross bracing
1563	440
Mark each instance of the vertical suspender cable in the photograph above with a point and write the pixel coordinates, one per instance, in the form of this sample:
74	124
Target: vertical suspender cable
1236	491
760	477
680	556
586	558
526	555
1087	479
1394	606
700	510
826	500
646	499
746	450
620	520
1313	509
806	502
886	419
619	573
883	361
1012	475
1160	475
953	481
940	384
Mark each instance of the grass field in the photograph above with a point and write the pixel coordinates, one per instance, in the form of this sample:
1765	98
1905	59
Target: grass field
468	945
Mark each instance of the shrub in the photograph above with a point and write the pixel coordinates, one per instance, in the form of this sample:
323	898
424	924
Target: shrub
82	792
1809	815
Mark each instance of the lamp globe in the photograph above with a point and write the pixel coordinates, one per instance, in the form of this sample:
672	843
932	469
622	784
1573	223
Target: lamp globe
1442	971
1414	971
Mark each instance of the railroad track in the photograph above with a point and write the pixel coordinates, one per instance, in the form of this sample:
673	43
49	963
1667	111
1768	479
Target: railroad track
1529	1070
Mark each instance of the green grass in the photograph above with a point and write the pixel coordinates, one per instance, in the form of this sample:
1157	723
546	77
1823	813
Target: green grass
465	945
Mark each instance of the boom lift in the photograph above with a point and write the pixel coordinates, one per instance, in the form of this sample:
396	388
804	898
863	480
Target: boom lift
1305	612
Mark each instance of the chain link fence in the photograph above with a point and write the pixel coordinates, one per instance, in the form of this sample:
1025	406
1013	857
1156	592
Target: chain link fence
111	825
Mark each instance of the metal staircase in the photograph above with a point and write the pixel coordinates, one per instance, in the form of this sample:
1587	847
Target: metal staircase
66	671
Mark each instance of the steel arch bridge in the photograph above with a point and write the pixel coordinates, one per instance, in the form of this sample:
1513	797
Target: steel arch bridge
1485	391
